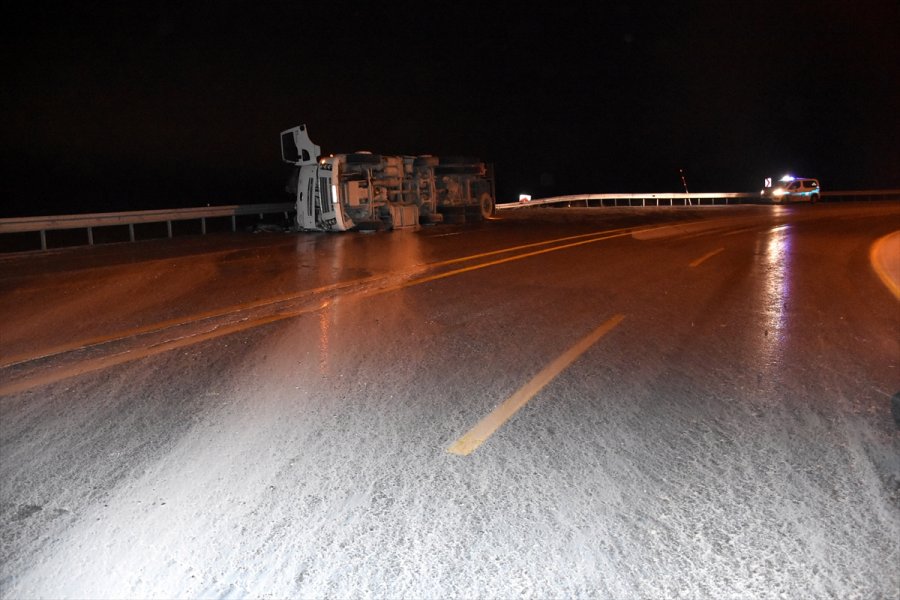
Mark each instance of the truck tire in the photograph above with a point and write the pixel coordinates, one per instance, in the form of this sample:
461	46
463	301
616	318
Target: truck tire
486	202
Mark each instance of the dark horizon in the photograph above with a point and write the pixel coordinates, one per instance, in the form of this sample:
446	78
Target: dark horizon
136	107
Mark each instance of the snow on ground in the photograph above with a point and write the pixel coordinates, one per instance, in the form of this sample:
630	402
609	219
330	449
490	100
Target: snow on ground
686	455
308	475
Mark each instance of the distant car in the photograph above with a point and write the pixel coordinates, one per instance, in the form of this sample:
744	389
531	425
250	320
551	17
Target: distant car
792	189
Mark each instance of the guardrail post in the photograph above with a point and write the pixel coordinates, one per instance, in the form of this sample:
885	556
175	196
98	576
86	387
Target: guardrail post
90	236
43	240
131	232
169	228
203	225
233	223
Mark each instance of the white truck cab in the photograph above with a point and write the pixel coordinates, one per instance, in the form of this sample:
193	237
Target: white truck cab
312	183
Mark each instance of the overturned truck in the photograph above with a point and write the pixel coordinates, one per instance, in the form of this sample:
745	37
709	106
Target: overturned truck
368	191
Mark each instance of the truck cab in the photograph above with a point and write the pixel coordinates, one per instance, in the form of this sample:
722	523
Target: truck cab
312	183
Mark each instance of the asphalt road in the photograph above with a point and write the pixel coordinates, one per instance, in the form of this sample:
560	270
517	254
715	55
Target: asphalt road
612	403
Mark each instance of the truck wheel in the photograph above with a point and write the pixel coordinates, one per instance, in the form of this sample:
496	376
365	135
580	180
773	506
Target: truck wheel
486	202
815	198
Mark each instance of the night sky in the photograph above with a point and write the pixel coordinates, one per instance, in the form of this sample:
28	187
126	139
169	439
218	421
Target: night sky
140	105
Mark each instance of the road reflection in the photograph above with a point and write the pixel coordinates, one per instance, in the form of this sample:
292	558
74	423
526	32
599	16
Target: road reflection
775	293
324	336
395	255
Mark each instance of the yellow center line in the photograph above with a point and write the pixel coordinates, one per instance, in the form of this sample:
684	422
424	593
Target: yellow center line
500	261
531	245
706	256
485	428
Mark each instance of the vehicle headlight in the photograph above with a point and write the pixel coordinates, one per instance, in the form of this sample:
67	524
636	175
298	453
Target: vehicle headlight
779	192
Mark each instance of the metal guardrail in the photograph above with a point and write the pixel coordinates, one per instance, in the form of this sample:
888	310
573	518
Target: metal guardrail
680	199
131	218
90	221
630	199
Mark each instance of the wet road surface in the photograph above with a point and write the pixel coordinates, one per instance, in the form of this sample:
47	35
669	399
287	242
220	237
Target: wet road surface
678	403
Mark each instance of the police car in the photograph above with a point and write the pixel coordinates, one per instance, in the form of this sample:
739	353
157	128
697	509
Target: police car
791	189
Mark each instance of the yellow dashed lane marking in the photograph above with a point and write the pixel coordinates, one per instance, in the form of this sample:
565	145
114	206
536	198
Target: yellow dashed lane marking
476	436
706	256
